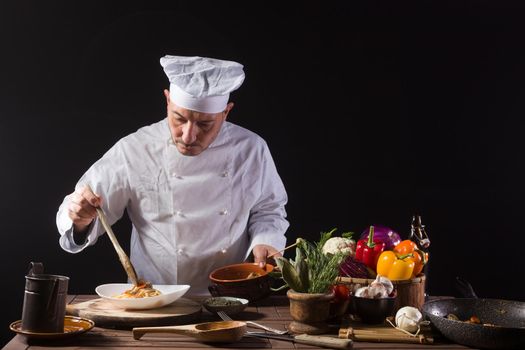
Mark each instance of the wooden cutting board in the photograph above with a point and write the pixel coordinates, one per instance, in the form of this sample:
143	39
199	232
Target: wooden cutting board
105	314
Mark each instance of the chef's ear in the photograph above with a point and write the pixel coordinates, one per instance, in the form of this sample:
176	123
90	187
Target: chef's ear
167	95
227	110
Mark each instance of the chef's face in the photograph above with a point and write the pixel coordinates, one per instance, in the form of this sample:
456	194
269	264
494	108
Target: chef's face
193	131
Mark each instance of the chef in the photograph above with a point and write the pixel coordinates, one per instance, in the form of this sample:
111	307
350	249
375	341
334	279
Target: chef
201	192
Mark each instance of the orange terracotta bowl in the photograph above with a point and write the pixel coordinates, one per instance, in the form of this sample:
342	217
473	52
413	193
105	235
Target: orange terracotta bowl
247	280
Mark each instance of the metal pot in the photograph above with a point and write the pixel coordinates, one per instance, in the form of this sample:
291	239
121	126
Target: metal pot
503	321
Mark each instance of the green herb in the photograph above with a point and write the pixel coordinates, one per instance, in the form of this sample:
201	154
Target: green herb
348	235
325	236
312	271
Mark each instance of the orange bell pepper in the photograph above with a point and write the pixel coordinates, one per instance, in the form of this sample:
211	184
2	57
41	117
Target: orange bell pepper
409	247
395	266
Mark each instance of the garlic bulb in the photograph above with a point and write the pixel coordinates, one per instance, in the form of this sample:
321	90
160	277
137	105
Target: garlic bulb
387	283
408	318
362	292
381	287
384	282
377	291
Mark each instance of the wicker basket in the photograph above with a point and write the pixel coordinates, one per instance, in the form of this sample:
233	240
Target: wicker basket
409	292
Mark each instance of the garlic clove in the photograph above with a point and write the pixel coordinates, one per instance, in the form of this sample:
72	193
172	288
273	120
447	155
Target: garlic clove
362	292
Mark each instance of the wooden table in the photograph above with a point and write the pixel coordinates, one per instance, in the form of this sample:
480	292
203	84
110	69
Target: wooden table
273	311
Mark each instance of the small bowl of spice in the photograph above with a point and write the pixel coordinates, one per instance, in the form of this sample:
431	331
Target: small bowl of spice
229	305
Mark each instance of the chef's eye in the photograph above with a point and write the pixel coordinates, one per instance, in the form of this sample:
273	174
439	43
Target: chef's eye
179	120
205	125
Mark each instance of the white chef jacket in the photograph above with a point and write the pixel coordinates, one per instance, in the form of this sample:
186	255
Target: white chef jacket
190	215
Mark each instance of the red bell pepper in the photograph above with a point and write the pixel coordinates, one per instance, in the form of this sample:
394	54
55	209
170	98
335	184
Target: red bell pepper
368	250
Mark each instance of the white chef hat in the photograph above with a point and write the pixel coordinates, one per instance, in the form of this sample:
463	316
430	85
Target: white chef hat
202	84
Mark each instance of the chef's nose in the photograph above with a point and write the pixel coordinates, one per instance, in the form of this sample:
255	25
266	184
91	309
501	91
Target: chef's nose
189	133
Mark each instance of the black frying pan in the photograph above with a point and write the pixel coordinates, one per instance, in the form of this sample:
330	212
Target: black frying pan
507	316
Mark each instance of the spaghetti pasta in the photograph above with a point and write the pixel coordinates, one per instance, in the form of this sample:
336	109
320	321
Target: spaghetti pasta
142	290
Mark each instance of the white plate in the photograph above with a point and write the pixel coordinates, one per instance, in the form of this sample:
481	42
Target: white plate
170	293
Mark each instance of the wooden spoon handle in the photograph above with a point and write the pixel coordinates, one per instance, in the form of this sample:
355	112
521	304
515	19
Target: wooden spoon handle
324	341
282	250
138	332
124	259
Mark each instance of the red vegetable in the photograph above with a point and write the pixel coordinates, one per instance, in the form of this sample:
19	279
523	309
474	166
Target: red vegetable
356	269
384	234
341	292
368	250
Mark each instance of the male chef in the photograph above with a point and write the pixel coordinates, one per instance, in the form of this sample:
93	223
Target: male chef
201	192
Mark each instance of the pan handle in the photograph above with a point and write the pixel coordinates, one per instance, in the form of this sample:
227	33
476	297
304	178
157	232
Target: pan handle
465	288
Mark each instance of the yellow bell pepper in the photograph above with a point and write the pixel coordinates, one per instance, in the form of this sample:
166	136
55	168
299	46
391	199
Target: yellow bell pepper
395	266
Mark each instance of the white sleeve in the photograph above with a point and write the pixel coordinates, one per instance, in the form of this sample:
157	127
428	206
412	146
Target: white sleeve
65	228
107	178
267	223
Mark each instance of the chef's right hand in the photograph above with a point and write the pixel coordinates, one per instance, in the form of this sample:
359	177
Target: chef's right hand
81	209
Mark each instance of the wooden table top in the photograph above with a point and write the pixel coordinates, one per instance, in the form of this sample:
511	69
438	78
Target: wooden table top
273	311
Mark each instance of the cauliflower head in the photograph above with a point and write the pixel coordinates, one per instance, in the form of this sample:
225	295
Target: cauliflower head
339	244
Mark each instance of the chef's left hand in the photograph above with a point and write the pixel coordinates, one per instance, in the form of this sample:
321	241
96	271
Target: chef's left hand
261	251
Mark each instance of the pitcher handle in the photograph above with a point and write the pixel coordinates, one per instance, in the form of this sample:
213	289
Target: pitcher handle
35	268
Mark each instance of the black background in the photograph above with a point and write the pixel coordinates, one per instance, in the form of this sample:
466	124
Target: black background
372	111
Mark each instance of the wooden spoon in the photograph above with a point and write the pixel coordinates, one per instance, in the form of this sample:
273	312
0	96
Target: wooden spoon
282	250
124	259
220	332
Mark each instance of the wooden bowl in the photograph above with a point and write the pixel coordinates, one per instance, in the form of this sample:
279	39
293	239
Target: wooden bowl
247	281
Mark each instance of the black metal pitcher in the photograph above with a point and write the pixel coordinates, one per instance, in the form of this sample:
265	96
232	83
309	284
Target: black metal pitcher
44	301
